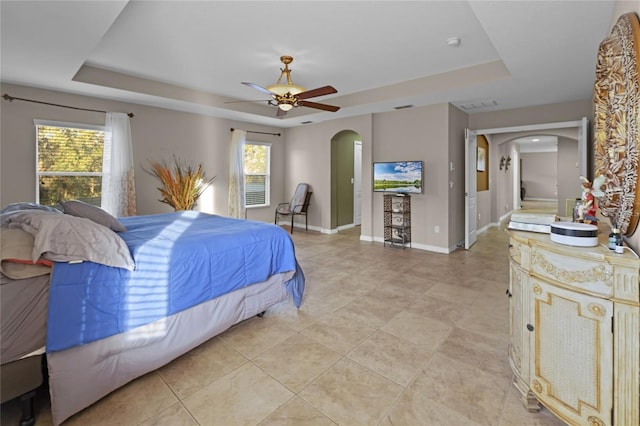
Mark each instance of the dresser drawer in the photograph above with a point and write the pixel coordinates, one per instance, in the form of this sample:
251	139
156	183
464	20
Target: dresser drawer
582	274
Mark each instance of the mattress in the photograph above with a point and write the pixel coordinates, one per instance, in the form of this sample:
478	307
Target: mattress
182	259
23	316
81	375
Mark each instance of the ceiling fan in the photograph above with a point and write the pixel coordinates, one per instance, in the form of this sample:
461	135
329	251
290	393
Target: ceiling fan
288	96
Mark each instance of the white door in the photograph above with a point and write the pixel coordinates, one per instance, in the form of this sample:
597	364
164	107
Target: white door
470	188
357	182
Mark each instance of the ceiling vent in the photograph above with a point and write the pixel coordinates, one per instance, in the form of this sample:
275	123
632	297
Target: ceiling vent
478	105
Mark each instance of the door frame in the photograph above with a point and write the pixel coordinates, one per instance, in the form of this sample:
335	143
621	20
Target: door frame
583	131
470	187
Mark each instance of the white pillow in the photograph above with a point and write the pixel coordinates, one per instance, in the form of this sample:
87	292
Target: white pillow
64	238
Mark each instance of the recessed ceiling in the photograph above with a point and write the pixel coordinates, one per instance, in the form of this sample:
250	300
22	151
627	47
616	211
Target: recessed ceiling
537	144
192	56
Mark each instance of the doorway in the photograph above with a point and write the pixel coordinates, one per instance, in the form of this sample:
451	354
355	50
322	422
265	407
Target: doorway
507	198
542	184
346	180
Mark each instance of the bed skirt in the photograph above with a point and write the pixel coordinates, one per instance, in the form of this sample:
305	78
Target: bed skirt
82	375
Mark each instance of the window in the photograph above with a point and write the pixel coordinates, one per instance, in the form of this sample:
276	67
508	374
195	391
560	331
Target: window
257	171
68	162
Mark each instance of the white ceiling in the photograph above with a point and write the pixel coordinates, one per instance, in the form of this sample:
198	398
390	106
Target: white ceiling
541	143
192	56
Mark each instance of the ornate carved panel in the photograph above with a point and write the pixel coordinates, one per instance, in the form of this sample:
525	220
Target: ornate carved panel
616	109
581	273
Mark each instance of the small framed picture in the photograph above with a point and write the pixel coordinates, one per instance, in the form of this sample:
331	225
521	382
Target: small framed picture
482	159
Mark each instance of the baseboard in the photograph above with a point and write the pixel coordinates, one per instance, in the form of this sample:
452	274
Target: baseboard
426	247
484	228
310	227
505	217
551	200
344	227
370	239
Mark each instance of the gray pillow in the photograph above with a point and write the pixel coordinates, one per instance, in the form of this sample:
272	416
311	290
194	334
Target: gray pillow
66	238
96	214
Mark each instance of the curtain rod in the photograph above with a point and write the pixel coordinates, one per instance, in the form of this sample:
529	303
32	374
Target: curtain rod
260	133
11	98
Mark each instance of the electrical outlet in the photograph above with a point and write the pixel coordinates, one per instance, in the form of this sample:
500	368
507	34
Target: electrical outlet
436	229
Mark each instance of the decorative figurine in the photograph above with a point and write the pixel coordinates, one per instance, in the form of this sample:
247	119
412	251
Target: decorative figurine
587	210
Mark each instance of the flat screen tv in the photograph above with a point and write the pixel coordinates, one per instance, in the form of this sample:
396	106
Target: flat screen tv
401	177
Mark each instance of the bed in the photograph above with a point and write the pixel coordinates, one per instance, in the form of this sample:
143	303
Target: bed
155	291
23	328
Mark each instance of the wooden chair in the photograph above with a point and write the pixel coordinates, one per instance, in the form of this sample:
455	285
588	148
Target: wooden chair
298	205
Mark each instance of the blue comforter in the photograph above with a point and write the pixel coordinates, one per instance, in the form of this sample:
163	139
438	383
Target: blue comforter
182	259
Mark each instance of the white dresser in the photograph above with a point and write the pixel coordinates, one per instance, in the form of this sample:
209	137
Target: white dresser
575	330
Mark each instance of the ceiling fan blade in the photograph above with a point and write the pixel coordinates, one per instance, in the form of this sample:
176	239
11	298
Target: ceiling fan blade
316	105
281	113
260	88
320	91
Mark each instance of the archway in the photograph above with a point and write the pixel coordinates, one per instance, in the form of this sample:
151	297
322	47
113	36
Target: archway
503	201
346	169
530	150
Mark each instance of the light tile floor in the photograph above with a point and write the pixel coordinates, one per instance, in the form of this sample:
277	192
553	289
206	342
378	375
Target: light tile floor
385	336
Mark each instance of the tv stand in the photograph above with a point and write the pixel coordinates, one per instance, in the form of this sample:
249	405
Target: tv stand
397	220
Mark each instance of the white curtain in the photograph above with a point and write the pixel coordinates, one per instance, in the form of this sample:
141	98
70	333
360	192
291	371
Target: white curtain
118	186
236	174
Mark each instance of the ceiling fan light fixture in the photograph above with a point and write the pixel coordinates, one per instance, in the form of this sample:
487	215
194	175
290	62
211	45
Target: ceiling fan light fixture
283	89
285	106
288	96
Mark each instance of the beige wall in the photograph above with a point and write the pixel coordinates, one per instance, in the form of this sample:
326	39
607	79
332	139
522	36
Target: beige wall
622	7
157	134
504	179
308	159
540	175
411	135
